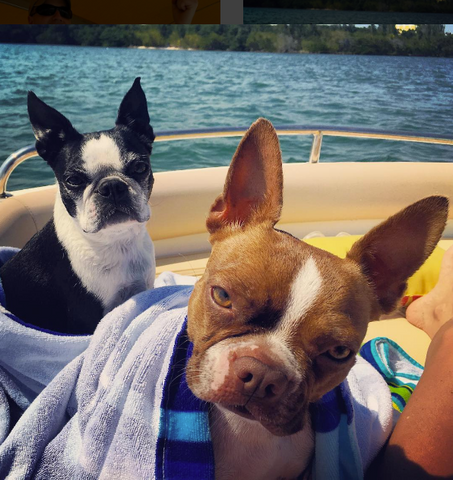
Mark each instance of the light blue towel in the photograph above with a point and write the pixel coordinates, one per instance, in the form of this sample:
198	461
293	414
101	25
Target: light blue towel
106	413
29	357
99	417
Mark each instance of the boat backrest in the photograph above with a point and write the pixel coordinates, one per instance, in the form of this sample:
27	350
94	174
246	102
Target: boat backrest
329	198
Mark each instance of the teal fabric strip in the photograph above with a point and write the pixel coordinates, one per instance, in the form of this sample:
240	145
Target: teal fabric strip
185	426
385	365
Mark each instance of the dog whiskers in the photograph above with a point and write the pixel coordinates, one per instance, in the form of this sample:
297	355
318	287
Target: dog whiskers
251	396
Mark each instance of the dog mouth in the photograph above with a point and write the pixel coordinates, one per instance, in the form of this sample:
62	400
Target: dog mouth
110	216
240	410
280	429
121	215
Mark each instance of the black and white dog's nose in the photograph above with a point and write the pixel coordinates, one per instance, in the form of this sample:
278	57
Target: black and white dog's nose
113	189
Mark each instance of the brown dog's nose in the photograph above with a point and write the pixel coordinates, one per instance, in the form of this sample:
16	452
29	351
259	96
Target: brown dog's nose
260	380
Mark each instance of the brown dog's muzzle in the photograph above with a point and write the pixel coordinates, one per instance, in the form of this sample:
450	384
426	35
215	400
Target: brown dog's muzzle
260	381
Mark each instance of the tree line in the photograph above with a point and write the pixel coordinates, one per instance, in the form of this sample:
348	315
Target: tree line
424	6
426	40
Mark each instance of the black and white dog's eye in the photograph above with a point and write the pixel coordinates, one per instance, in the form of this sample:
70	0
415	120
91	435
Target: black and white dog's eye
75	181
339	353
139	168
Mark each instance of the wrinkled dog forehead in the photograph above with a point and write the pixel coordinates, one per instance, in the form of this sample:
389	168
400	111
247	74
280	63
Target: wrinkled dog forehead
308	286
110	151
101	153
329	303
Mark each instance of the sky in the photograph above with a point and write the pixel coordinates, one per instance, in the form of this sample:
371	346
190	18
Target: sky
448	28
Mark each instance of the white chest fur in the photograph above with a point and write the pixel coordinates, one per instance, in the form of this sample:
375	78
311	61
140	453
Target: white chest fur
244	449
113	264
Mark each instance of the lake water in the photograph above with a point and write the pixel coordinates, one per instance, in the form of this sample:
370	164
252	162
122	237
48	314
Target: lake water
292	15
193	89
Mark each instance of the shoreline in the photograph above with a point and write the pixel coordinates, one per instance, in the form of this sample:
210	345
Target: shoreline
258	15
143	47
301	52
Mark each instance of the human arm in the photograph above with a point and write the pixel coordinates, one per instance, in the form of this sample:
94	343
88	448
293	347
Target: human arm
420	446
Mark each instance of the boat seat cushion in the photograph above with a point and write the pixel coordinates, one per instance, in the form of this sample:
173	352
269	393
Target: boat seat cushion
418	285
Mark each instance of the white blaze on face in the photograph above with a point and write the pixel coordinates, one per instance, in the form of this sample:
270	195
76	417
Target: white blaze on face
218	365
304	292
99	153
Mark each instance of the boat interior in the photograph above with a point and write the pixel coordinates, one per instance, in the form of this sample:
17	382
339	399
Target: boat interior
326	198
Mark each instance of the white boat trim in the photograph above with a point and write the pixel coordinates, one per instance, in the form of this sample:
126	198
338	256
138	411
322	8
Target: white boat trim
318	133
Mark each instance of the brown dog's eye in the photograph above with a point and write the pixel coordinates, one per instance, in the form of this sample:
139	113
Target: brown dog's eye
339	353
221	297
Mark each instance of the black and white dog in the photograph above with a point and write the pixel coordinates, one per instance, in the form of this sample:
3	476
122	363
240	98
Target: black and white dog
95	253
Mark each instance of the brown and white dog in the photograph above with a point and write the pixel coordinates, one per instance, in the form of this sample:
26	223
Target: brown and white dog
277	323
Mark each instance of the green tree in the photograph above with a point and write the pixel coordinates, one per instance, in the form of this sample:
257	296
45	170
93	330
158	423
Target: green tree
117	36
261	42
214	41
56	35
239	41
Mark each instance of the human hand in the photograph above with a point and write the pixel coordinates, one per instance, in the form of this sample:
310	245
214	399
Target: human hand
184	10
185	5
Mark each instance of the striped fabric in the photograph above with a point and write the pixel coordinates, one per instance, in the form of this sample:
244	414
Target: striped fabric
184	448
385	355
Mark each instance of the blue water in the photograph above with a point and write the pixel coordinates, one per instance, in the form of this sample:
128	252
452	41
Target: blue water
193	89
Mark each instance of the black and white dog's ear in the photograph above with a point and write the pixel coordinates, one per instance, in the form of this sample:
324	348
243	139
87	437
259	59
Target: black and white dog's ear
133	114
52	129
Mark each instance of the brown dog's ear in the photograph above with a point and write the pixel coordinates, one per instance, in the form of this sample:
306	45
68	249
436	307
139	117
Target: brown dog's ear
395	249
253	191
